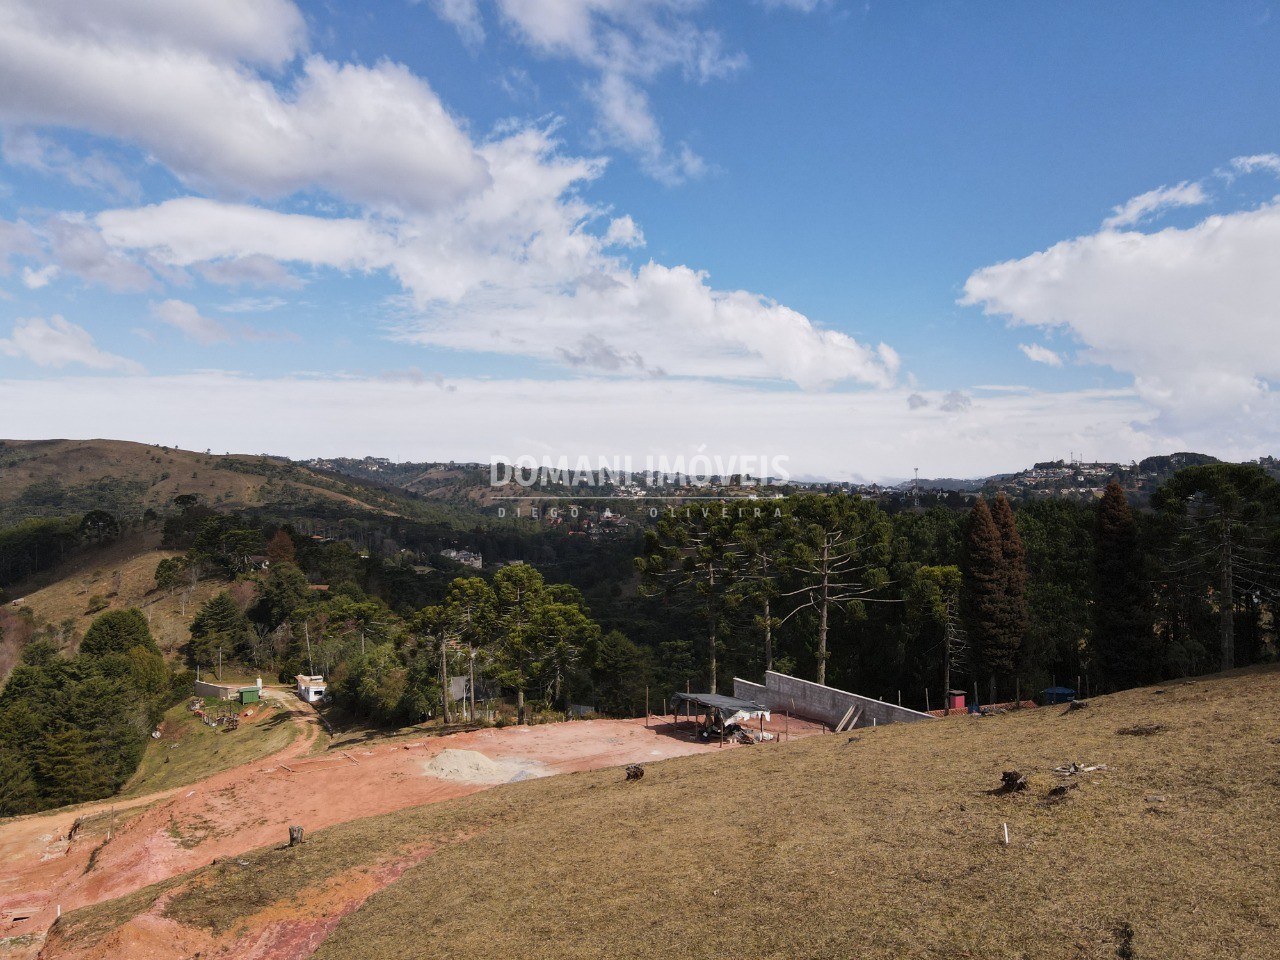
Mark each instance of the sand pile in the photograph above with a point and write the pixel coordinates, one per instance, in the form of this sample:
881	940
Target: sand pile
471	766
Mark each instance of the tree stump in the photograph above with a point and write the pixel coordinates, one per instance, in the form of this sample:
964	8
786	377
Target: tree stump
635	771
295	836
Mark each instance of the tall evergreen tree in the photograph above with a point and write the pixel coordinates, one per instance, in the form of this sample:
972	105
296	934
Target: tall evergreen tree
984	592
220	631
117	631
1014	618
1122	646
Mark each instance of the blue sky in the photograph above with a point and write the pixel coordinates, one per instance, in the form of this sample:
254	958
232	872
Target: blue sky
863	236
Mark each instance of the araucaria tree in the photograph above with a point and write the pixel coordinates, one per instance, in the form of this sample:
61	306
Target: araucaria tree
699	558
838	555
1227	515
1122	645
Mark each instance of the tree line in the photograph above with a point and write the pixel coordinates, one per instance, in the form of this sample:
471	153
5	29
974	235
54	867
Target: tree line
1008	597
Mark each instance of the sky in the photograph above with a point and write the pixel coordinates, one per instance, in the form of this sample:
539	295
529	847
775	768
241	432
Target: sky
853	238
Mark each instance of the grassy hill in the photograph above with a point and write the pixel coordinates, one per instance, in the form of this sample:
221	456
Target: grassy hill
123	576
883	843
59	477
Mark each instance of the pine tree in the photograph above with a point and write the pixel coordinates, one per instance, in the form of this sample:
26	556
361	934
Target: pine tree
17	788
220	628
984	593
68	769
118	631
1014	617
1122	644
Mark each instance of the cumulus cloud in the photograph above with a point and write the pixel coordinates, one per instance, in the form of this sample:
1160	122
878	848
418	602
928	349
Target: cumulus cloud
1190	313
623	232
491	239
57	342
179	88
35	279
267	32
513	271
1147	205
917	401
955	402
1038	353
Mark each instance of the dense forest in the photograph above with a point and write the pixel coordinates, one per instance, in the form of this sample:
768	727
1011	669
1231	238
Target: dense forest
888	600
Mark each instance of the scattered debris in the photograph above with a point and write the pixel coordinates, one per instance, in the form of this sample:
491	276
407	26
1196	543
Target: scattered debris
1156	798
1141	730
1070	770
1077	705
634	772
1059	793
1011	781
295	836
852	740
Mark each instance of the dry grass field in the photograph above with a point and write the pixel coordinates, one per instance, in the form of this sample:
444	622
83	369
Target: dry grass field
123	574
882	843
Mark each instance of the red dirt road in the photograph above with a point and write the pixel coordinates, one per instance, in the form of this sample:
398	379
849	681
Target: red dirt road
166	834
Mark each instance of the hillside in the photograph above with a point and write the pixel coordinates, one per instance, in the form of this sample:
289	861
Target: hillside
888	843
122	575
58	477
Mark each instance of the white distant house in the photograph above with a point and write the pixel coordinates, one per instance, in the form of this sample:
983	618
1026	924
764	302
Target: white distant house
311	689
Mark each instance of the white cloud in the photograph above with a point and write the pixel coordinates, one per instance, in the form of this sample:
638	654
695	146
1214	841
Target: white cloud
623	232
17	239
1038	353
625	44
464	15
254	271
1139	208
1265	162
514	271
35	279
491	240
180	89
267	32
1190	313
635	417
79	248
253	305
57	342
95	172
186	317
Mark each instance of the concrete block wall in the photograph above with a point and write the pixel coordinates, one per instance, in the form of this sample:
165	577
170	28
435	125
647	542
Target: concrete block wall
814	701
223	691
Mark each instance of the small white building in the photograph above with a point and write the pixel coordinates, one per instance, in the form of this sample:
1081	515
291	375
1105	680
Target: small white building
311	689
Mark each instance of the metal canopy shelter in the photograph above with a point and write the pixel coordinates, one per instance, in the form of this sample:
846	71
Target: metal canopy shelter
719	709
